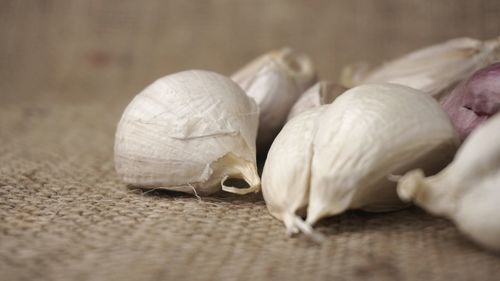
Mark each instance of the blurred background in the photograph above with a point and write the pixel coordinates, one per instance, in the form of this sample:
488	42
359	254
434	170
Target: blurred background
76	50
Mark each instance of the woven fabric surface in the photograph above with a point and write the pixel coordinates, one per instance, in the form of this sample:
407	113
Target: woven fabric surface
68	69
64	215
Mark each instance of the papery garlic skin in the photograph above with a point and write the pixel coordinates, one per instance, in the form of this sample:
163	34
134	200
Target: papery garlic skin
286	175
275	81
436	68
367	134
189	132
468	190
474	100
323	92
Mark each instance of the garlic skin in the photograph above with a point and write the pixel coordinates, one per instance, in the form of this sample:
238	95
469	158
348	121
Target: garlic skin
433	69
468	190
287	171
189	132
275	81
323	92
474	100
366	135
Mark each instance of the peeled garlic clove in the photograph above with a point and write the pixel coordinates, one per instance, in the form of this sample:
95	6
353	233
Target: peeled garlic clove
436	68
275	81
367	134
468	190
323	92
474	100
189	132
286	175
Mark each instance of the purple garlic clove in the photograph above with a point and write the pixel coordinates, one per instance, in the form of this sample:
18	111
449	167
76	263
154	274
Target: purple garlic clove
474	100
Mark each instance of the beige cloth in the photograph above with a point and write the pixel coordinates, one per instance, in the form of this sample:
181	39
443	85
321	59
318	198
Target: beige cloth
67	70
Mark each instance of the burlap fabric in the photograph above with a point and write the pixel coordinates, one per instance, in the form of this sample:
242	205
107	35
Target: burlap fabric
67	70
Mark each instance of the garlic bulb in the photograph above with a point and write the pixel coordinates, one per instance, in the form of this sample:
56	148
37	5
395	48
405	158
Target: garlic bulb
323	92
367	134
468	190
432	69
474	100
275	81
189	132
287	171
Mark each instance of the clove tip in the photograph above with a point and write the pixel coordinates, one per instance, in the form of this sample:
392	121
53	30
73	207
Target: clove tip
409	184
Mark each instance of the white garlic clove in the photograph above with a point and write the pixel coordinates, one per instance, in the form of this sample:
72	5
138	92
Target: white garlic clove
189	132
367	134
466	191
286	175
436	68
275	81
323	92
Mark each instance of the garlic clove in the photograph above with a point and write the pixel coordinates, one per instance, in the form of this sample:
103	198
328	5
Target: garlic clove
323	92
189	132
275	81
286	175
466	191
365	135
474	100
436	68
463	118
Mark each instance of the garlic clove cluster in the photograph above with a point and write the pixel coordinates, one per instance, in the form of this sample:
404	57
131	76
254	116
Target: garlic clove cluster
468	190
432	69
275	81
189	132
323	92
340	156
